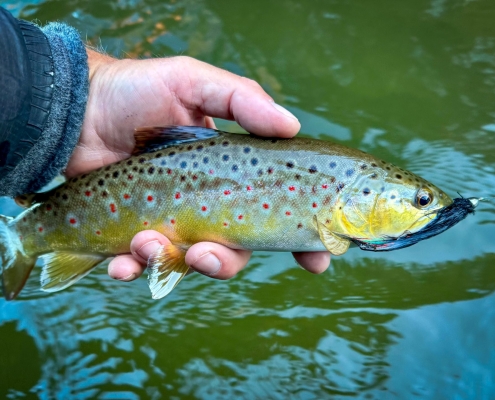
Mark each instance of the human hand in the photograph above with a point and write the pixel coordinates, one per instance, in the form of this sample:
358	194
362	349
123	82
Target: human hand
125	94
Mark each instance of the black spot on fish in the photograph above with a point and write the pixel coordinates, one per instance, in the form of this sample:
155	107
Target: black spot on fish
160	171
333	164
206	160
171	154
189	147
142	160
225	157
213	143
297	176
366	191
373	165
290	165
74	180
141	170
200	147
107	176
340	186
274	140
57	194
64	196
183	164
55	213
254	161
158	155
183	178
101	182
151	170
247	150
225	144
398	176
349	172
116	174
235	168
195	164
364	166
260	172
135	169
84	176
108	168
312	169
270	170
104	193
124	171
129	162
374	176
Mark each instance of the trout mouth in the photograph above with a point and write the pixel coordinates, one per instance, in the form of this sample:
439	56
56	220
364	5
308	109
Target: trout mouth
445	218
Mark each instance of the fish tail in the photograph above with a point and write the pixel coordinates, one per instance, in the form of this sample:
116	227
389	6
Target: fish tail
15	264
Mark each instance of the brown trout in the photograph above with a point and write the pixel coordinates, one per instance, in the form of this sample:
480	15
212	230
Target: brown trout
195	184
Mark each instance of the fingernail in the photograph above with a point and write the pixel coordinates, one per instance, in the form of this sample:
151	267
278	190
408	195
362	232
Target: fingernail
147	249
127	278
207	264
287	113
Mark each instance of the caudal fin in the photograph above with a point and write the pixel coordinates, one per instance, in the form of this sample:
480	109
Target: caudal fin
16	265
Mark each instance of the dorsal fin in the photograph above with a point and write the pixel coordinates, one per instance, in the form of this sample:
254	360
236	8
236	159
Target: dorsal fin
154	138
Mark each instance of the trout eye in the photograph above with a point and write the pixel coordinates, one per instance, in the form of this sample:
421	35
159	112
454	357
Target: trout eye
423	198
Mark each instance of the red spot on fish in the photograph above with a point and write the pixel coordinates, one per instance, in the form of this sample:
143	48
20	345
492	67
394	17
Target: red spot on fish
172	221
72	221
292	188
113	208
288	213
87	193
315	205
98	233
299	226
127	196
40	229
130	176
194	177
240	217
211	172
324	186
225	224
24	219
169	171
145	223
177	196
48	207
249	188
149	198
266	206
226	192
204	208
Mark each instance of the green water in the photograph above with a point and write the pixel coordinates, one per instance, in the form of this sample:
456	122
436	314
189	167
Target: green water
411	82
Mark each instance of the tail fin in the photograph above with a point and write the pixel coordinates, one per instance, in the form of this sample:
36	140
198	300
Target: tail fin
16	265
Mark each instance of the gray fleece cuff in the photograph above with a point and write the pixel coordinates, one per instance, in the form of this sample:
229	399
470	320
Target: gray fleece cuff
51	153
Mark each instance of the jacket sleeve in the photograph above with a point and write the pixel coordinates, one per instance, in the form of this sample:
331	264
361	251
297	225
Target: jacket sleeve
43	94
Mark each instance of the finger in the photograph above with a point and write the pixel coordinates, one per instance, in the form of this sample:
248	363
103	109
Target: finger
315	262
215	260
125	268
209	123
128	267
222	94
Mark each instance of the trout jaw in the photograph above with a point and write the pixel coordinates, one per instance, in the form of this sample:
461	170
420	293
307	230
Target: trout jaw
445	218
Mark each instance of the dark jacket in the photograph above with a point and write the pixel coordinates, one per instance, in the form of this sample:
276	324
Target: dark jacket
43	93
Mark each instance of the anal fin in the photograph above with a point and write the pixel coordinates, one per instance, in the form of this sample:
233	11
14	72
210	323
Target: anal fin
63	268
334	244
166	268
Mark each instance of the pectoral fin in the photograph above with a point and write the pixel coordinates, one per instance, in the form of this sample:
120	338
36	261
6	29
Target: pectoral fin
63	268
165	270
334	244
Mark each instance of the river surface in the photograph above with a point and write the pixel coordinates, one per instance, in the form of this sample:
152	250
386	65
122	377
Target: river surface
411	82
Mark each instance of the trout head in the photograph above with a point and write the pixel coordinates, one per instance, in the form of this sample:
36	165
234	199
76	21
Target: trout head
387	210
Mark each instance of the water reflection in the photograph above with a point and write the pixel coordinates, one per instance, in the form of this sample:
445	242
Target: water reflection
411	83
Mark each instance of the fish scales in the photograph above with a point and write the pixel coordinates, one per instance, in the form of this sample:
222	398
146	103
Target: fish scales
196	184
234	189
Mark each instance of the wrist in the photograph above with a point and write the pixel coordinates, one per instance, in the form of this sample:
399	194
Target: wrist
96	60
